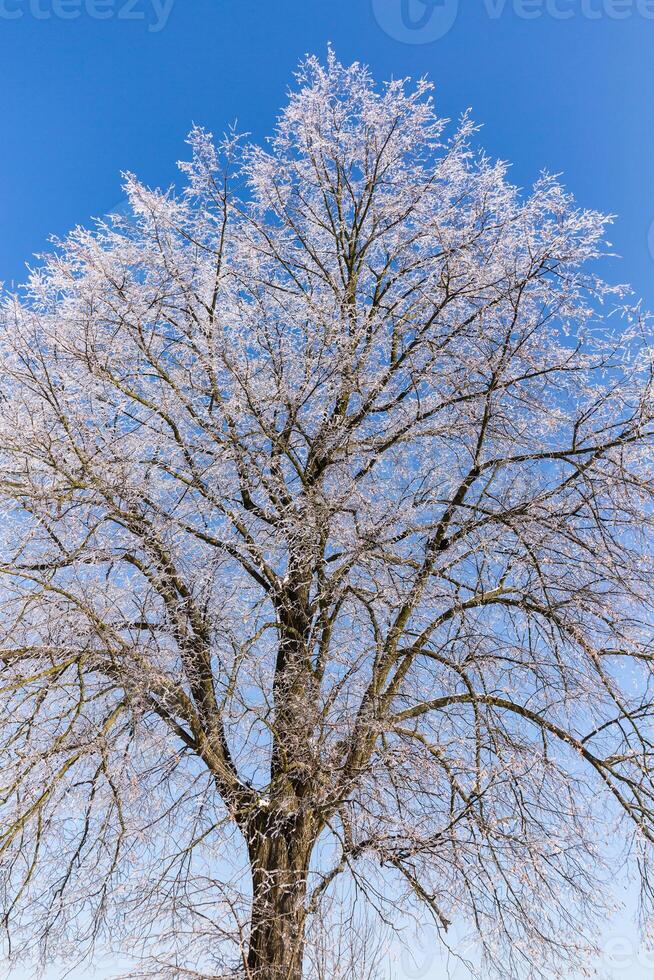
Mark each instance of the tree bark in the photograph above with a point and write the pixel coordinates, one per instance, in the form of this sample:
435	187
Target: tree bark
280	851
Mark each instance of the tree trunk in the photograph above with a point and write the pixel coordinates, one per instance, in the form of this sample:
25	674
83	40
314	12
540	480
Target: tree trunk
280	852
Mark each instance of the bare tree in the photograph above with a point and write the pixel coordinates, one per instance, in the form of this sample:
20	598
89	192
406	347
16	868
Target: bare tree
326	557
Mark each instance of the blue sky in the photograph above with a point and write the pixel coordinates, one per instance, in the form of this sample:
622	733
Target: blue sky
93	87
562	84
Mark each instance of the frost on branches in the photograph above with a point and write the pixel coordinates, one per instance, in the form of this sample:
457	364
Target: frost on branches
326	561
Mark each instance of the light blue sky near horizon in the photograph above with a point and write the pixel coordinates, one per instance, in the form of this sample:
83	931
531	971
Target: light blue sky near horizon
623	959
93	87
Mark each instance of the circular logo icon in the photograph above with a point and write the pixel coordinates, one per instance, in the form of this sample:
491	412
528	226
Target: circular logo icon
416	21
417	963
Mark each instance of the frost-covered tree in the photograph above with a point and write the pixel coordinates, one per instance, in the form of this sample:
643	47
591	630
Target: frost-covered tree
326	559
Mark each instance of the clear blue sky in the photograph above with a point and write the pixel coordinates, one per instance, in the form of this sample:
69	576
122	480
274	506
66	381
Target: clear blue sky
83	98
563	84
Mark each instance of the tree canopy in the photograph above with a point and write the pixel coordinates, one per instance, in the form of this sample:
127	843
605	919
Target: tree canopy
326	565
